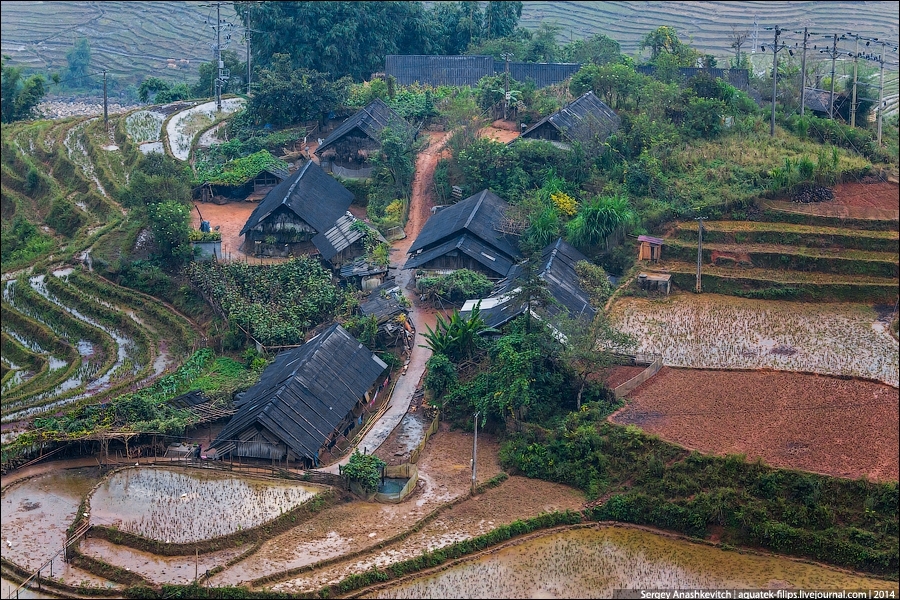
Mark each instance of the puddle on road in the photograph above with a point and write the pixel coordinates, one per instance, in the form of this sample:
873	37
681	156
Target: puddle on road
592	563
186	506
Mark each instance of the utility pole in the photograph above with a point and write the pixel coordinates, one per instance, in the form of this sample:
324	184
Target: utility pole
853	103
833	58
475	454
506	56
775	49
699	250
105	106
803	72
247	35
881	93
219	64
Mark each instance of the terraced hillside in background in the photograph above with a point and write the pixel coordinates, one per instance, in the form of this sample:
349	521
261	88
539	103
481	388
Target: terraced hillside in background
68	333
133	40
136	39
793	256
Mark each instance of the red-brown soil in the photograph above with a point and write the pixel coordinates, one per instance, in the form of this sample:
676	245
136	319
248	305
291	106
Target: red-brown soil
500	131
618	375
229	218
884	195
845	428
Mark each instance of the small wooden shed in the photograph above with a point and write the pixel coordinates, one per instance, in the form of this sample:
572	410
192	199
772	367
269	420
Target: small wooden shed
650	247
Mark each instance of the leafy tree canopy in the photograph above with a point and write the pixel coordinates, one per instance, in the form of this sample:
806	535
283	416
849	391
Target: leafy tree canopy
79	60
20	96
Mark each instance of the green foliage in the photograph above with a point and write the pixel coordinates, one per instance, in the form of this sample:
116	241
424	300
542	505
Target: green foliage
276	304
20	95
79	61
170	222
22	241
440	375
157	177
364	469
598	219
459	286
64	218
205	87
238	171
456	337
286	94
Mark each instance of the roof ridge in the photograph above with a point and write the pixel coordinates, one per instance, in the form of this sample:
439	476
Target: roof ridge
481	198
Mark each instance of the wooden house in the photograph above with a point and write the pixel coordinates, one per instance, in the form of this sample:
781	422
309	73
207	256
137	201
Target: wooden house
466	235
557	271
305	401
303	215
649	248
585	120
347	149
252	188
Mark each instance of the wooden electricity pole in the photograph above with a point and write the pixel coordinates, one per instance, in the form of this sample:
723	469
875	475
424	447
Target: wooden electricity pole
803	72
699	250
475	454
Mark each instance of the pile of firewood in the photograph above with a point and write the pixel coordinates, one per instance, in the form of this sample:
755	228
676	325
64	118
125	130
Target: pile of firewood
812	193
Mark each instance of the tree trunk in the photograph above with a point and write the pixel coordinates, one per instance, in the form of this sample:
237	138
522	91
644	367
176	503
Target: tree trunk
580	392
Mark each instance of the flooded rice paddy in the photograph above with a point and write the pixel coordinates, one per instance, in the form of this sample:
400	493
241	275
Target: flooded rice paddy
714	331
183	126
592	563
37	511
178	507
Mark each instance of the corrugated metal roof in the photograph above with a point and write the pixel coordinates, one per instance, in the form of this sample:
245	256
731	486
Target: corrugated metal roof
370	120
558	272
479	215
467	70
311	193
383	303
542	74
341	236
651	240
360	267
455	70
581	121
739	78
306	392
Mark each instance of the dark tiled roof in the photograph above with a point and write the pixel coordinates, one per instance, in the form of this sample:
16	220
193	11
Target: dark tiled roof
477	215
557	269
370	120
306	392
818	100
382	302
581	121
311	193
468	245
189	400
359	267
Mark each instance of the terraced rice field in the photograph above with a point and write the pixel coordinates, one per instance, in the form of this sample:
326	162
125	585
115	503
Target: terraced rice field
133	40
67	333
715	331
595	562
840	427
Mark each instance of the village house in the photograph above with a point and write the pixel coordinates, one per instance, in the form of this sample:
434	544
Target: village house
306	401
466	235
585	120
307	214
347	149
252	188
557	271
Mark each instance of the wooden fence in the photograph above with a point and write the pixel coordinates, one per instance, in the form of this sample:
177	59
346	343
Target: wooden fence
651	370
414	455
406	470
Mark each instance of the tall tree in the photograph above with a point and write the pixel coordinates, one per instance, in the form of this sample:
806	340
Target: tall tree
19	97
501	18
338	38
79	59
288	95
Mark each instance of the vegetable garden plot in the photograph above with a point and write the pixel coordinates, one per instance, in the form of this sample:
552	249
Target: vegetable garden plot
186	506
713	331
845	428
